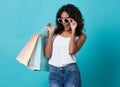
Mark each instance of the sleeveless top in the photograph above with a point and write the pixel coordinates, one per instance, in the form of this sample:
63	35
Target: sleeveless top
60	52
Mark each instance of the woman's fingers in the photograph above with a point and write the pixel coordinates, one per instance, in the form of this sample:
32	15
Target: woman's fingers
49	24
71	20
50	27
73	23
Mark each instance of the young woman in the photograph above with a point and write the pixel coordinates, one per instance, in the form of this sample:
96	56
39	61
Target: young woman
63	43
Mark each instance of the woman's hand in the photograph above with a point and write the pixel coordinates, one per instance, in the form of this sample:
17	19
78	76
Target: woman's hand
73	24
50	28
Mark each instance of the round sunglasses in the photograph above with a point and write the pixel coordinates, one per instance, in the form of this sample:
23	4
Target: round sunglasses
61	20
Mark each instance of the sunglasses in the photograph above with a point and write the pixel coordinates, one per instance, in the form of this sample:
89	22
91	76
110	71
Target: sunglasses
61	20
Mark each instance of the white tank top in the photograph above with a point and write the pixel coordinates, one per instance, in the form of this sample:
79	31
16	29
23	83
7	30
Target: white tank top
60	52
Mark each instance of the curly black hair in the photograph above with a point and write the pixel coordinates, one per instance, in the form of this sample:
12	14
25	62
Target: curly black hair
75	14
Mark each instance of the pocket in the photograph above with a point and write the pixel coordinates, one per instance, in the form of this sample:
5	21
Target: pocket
52	69
72	68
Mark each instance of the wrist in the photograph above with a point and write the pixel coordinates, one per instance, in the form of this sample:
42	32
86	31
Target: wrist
51	34
73	34
73	30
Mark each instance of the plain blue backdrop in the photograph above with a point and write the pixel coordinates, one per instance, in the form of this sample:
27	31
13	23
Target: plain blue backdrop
98	59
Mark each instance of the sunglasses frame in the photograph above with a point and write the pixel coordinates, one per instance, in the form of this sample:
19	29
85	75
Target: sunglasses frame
63	20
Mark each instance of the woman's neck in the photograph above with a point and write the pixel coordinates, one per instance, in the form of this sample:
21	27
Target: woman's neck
66	33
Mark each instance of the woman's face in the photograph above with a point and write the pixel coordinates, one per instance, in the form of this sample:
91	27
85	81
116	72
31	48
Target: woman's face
66	25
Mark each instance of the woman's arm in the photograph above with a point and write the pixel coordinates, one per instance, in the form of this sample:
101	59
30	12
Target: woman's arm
74	46
48	47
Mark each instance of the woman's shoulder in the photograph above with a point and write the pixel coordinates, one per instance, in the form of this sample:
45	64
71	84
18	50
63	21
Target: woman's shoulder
82	36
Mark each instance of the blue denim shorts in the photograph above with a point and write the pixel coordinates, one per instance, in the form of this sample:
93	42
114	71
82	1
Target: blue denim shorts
67	76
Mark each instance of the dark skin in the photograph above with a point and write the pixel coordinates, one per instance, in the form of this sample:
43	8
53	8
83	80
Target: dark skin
69	31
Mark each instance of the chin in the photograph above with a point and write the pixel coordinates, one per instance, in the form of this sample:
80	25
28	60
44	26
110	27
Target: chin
67	29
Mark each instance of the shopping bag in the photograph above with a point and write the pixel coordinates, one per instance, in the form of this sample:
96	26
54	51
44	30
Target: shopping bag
38	60
25	55
32	54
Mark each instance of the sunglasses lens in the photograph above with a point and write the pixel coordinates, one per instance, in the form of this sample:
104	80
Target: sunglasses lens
60	20
66	20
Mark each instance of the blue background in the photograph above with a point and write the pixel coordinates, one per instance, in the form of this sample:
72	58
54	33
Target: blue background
98	60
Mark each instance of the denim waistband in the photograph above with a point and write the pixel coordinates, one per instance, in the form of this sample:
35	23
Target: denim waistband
68	66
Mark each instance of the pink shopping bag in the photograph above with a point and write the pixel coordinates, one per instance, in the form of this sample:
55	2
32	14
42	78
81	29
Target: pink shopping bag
25	55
